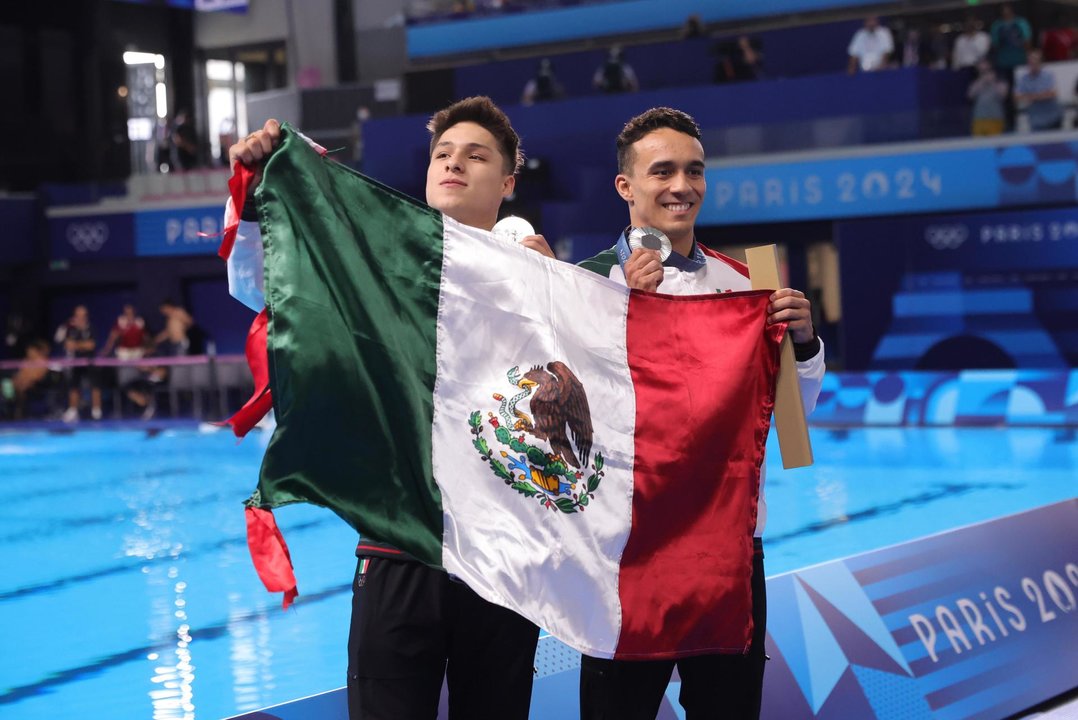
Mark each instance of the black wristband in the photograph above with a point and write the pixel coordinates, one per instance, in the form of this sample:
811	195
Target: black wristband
807	350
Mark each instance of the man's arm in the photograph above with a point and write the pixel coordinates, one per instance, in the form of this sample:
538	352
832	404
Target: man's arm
114	335
792	307
245	267
810	372
1023	92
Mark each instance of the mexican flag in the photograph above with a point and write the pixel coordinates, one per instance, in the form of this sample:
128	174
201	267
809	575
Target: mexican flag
585	455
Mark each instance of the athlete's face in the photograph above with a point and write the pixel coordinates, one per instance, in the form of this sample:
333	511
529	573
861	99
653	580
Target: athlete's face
467	177
665	185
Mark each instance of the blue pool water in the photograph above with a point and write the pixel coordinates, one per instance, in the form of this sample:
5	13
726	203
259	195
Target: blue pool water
127	590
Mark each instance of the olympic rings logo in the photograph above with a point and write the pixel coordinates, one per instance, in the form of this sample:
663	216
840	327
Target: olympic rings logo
946	237
87	236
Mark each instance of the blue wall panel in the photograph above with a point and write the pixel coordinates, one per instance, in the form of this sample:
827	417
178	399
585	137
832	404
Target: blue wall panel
590	21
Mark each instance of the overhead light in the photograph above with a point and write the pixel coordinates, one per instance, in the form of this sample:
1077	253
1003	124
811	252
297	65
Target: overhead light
162	106
141	58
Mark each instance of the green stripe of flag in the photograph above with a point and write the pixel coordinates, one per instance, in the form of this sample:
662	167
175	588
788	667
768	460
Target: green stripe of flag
352	268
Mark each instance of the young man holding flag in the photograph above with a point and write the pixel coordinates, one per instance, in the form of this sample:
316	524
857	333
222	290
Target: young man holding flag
661	178
413	625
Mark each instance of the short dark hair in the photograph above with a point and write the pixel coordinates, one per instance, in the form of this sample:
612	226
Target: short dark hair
482	111
649	121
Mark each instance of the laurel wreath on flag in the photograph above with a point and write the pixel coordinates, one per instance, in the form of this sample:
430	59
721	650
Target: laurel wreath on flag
528	463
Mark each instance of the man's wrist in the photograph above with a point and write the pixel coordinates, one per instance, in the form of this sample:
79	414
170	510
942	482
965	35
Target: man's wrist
807	350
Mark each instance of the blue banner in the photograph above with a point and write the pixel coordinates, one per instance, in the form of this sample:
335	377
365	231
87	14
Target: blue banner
997	290
85	237
177	231
901	183
966	624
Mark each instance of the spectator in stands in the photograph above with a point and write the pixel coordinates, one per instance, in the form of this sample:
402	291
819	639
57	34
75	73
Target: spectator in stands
184	142
1036	92
544	86
924	47
1010	44
128	336
173	340
871	47
76	336
971	46
740	60
363	114
615	75
1011	37
693	28
31	380
988	94
1059	42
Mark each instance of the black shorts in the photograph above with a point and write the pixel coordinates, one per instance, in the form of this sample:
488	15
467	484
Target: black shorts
413	626
84	376
712	686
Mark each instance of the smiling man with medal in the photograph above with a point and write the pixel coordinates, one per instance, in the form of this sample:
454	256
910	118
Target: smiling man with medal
661	178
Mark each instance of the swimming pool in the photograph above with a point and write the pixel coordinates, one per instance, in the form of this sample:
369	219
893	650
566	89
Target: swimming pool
128	590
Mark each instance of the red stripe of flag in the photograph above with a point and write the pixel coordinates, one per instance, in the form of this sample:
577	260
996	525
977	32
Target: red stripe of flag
270	554
693	517
261	401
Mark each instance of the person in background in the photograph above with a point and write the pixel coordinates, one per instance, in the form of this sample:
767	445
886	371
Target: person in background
693	28
924	46
740	60
1060	41
76	336
1011	37
988	94
173	340
142	390
184	142
30	379
1036	92
128	336
543	87
615	75
363	114
871	47
971	46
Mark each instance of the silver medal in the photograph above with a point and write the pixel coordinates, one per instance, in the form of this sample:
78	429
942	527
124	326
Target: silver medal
513	228
650	239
